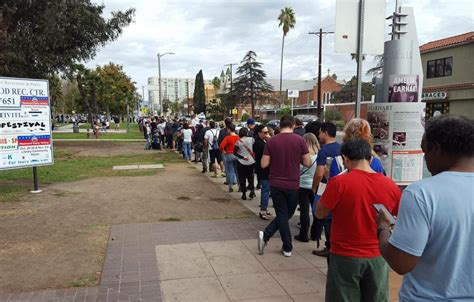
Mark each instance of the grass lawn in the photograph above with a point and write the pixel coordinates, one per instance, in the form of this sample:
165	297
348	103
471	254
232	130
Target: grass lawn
134	133
69	167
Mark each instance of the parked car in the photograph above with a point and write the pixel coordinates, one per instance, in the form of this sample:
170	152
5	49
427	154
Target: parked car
306	118
273	124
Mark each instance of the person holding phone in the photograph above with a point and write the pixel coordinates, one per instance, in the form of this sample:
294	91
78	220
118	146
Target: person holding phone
357	271
433	239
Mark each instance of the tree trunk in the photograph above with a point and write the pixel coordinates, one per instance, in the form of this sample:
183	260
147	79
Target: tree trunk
94	99
85	101
281	63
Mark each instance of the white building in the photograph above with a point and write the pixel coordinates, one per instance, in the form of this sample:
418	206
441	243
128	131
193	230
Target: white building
174	89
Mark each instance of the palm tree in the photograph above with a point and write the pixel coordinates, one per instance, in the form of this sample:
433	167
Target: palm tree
287	19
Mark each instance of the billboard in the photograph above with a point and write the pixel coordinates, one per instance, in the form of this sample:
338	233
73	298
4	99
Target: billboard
25	123
347	24
397	129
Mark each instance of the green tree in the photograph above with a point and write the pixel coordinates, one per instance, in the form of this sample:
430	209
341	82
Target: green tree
349	90
199	97
250	85
70	97
287	20
115	89
377	70
216	82
40	38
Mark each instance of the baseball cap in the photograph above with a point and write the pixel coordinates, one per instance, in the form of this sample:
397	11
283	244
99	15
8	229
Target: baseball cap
250	121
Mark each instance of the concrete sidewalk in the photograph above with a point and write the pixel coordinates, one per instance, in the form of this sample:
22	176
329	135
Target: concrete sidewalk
206	260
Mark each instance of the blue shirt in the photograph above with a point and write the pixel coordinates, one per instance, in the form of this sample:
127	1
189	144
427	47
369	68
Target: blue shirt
436	223
375	164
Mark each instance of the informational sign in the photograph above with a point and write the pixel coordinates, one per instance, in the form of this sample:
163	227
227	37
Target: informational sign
235	111
293	93
403	88
397	129
25	123
347	24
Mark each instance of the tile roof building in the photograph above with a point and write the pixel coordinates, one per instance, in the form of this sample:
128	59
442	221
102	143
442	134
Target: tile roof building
448	66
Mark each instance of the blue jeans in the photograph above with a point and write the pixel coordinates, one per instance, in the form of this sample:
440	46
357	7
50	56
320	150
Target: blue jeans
284	202
230	163
187	150
264	194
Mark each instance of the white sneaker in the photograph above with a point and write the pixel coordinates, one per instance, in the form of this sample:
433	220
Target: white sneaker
286	254
261	243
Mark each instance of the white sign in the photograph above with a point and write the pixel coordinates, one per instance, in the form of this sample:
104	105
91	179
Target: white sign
438	95
347	24
397	129
25	124
293	93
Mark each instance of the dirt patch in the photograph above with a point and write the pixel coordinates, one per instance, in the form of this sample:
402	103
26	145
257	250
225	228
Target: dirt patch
102	148
59	237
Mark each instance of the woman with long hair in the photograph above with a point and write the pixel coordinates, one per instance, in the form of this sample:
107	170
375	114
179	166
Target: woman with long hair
305	192
227	147
246	162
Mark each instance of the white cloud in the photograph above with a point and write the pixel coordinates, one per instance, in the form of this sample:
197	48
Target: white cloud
206	34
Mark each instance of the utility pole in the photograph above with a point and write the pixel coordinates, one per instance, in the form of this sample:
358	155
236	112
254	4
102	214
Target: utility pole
231	79
360	57
320	34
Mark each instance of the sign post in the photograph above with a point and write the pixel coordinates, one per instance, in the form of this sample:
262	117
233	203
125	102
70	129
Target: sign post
25	125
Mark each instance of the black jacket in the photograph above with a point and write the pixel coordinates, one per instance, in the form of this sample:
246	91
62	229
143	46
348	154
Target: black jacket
258	148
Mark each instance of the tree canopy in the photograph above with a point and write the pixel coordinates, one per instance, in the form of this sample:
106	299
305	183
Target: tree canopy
349	91
40	38
250	85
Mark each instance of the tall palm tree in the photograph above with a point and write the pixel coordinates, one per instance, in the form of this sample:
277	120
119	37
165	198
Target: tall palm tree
287	19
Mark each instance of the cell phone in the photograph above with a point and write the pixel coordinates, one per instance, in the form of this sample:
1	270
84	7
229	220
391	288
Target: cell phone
380	207
328	161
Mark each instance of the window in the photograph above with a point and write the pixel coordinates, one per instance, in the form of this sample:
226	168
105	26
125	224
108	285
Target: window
439	68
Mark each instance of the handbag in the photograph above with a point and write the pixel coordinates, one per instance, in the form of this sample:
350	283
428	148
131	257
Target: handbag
248	149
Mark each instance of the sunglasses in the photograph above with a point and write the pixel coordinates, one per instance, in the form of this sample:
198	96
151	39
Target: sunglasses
265	132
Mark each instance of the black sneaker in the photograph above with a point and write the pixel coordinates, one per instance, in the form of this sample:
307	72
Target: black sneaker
244	197
252	195
299	238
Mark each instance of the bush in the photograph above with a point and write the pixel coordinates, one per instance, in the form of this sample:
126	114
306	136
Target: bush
244	117
332	115
285	111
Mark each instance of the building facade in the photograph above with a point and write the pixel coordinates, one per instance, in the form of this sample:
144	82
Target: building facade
174	89
448	67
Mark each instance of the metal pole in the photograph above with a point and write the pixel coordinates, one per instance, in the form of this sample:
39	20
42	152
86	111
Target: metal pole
35	181
292	101
128	116
159	86
319	71
360	57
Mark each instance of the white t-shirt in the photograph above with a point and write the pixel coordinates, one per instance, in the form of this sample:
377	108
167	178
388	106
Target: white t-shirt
209	135
187	135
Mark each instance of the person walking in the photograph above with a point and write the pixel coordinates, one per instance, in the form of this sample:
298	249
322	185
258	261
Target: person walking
283	154
261	138
433	238
187	135
243	150
299	127
227	148
357	271
305	194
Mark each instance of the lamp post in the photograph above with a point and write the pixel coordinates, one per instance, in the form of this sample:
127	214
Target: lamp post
159	78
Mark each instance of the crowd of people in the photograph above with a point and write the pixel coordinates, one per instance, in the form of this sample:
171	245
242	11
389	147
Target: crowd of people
339	190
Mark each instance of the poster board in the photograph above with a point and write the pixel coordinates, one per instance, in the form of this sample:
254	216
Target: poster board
397	129
25	124
403	88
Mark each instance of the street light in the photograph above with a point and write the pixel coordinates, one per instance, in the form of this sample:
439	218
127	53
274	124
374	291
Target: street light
159	77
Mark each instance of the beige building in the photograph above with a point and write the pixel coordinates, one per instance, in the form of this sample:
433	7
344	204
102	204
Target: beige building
448	67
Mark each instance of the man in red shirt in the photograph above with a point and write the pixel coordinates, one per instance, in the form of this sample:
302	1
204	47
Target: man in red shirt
357	272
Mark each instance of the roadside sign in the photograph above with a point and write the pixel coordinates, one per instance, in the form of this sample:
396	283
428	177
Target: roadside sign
25	124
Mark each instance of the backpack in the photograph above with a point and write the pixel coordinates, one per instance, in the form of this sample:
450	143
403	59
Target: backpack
215	144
